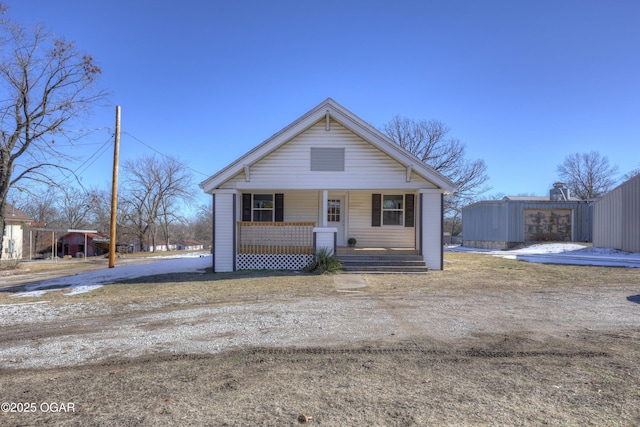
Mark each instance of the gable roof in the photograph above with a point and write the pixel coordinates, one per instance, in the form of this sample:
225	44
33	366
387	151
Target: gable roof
346	119
13	214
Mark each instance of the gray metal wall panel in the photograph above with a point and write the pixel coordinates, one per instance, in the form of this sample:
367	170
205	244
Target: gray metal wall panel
631	216
504	220
617	218
607	229
484	221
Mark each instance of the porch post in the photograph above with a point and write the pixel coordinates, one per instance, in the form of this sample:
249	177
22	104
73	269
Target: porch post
224	230
325	208
325	238
431	228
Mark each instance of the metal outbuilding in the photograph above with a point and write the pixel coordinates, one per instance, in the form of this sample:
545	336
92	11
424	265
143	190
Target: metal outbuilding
616	218
511	221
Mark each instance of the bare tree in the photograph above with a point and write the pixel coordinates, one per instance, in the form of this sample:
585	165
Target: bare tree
168	217
43	210
46	84
100	209
75	207
430	142
627	176
153	188
588	175
202	224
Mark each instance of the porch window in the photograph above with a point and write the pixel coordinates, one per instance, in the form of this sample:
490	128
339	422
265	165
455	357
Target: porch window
262	208
333	210
392	209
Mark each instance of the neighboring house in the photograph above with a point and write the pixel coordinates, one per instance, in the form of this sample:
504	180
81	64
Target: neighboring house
506	223
327	177
161	246
12	239
616	218
80	244
189	245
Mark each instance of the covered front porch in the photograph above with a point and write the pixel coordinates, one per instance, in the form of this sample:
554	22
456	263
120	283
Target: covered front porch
282	229
291	245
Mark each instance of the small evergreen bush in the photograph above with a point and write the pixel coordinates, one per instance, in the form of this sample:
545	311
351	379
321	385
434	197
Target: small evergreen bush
324	262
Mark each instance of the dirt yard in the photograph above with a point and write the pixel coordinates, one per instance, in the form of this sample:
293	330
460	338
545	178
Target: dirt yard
488	341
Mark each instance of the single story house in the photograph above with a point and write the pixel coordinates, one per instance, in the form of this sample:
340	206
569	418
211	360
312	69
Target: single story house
161	246
189	245
616	222
514	220
178	245
13	237
80	244
326	178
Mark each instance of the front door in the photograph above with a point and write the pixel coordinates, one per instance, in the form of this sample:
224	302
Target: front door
335	216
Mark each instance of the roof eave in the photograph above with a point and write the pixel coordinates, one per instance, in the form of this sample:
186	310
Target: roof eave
347	119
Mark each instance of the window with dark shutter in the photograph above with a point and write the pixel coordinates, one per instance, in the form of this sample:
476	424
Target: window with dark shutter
262	208
409	210
392	209
376	209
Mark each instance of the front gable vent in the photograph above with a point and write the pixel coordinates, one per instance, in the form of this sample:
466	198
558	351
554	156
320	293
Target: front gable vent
327	159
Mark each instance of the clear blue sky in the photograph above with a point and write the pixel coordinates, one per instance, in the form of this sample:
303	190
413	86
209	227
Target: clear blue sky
522	83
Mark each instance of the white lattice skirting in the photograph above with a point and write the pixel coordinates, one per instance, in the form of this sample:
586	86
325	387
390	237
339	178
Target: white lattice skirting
272	262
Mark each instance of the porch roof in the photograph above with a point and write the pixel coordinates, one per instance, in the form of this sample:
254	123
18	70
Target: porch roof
346	119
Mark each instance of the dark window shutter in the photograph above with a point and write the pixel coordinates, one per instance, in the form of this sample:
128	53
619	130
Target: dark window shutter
409	210
279	211
246	207
376	209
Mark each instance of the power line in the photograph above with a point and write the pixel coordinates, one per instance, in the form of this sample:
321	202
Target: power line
164	155
89	161
95	156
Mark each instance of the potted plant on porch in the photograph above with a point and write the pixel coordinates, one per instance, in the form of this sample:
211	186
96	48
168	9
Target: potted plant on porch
351	242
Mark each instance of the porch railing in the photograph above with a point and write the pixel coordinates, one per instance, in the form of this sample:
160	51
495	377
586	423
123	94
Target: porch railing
275	237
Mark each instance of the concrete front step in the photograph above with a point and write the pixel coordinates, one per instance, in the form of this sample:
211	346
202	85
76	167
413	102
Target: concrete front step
382	263
383	270
374	263
388	258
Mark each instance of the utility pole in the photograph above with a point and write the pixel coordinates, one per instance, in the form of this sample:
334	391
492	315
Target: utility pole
114	192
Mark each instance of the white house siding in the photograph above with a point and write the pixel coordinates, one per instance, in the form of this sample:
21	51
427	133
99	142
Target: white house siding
224	232
288	167
360	228
301	206
13	232
616	222
432	230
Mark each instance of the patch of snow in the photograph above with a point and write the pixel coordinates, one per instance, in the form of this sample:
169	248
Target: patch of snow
82	289
87	282
30	294
563	253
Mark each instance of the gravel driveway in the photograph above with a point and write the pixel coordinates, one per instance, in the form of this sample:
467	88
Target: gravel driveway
34	335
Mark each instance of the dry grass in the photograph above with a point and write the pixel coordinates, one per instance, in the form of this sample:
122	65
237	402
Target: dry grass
462	271
482	271
588	377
